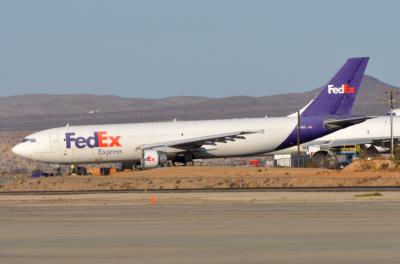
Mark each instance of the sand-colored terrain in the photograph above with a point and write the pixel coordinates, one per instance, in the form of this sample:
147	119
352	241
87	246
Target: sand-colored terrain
194	198
198	177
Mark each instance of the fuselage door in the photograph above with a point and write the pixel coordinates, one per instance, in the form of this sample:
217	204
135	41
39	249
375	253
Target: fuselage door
54	147
54	142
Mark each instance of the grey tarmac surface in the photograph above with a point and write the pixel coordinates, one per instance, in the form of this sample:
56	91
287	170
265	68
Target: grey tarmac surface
275	232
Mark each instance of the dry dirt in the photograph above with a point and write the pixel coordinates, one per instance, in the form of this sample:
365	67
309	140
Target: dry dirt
193	198
372	165
207	177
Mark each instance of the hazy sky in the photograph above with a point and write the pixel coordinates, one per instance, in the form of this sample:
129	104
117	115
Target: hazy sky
211	48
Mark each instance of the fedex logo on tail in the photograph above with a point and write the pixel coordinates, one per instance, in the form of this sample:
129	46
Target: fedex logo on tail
343	89
98	140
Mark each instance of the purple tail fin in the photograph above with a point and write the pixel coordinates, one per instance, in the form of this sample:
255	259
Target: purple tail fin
337	97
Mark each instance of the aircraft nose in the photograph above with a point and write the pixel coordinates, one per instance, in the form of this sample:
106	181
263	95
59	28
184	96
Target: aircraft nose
18	150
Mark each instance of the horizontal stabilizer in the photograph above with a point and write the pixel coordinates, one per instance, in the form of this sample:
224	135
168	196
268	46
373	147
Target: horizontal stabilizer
342	123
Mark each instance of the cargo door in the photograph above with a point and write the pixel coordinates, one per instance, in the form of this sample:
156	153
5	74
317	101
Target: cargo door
66	152
55	147
54	142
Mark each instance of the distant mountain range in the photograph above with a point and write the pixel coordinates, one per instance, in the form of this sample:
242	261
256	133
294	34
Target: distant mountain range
38	111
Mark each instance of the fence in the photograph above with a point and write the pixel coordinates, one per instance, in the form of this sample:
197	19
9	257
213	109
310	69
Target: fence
296	161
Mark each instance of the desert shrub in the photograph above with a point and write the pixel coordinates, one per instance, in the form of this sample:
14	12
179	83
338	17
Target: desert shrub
18	171
366	165
384	166
374	194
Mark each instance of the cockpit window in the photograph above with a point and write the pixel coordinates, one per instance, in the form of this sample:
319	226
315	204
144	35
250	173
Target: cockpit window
32	140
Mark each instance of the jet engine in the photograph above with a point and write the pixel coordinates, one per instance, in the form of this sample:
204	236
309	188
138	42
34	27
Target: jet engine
325	159
152	158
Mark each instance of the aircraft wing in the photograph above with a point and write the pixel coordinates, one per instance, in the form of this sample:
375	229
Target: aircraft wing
357	141
342	123
197	142
343	142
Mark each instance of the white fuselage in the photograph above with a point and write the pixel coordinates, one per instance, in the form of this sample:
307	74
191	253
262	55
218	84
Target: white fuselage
50	145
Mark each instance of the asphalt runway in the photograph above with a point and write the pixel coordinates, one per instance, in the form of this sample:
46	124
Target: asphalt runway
297	232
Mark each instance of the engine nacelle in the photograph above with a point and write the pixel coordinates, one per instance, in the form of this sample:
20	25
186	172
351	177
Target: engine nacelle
325	159
152	159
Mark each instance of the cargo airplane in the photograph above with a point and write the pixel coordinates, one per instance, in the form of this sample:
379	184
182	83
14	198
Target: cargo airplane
151	145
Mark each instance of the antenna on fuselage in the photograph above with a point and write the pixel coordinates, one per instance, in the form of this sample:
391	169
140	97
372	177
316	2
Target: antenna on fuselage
67	125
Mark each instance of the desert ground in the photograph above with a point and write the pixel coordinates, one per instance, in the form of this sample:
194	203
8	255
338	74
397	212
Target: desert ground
155	198
198	177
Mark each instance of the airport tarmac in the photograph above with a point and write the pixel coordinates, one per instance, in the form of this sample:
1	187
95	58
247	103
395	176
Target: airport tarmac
228	230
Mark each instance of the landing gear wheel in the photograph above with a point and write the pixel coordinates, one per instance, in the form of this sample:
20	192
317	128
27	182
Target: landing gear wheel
367	152
169	164
189	163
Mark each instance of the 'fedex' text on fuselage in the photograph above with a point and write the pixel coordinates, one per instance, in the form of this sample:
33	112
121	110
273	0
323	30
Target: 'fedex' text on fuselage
98	140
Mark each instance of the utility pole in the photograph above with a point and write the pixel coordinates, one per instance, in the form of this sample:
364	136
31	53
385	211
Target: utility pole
298	138
298	133
391	101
